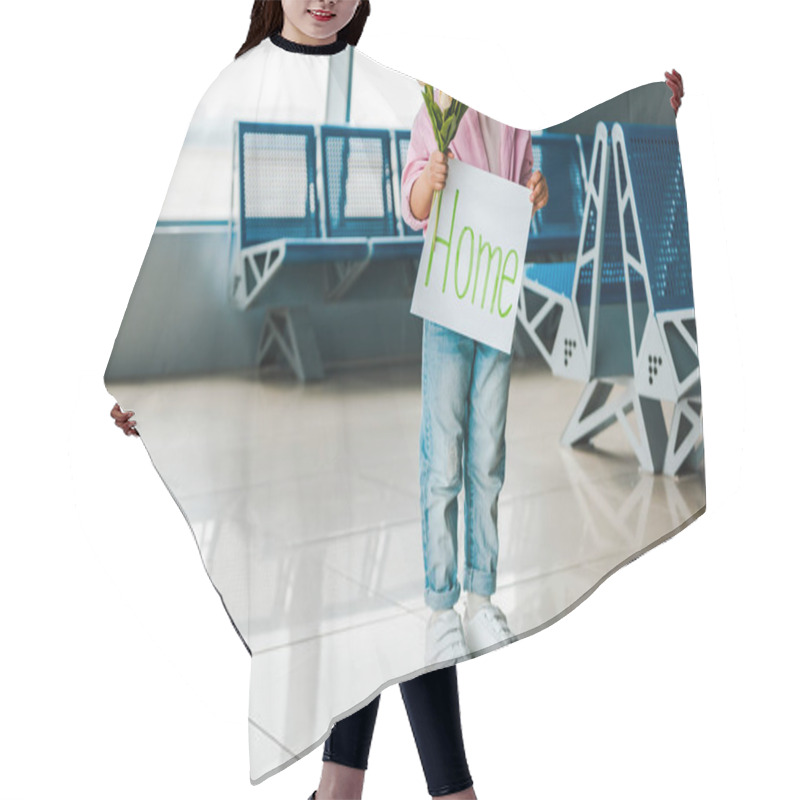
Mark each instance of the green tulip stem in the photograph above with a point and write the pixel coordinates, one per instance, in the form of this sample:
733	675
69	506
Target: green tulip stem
438	198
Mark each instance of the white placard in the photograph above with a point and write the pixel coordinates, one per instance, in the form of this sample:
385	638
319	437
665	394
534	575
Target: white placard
469	280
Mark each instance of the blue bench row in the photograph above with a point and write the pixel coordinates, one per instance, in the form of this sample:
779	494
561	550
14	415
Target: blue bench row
622	313
657	178
358	220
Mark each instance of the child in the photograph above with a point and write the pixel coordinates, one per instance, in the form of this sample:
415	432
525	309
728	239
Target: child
314	29
464	402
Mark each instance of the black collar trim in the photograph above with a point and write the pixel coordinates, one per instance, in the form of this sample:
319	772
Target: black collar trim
308	49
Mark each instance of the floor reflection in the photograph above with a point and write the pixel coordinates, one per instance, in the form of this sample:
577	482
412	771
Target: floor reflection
304	501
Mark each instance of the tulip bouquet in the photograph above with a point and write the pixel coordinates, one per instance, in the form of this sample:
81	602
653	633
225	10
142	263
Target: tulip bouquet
445	115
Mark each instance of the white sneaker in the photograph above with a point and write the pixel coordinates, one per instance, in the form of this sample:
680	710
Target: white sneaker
444	638
487	627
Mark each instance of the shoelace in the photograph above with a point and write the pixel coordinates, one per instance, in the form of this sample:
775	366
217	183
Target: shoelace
450	638
497	620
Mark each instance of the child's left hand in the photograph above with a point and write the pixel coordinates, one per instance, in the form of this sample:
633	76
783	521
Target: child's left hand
675	83
539	192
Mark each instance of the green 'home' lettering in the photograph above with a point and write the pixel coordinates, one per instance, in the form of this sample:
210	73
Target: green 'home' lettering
506	279
460	295
461	284
483	246
446	243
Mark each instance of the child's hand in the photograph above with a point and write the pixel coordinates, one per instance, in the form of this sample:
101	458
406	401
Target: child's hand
436	169
539	192
122	419
431	179
675	83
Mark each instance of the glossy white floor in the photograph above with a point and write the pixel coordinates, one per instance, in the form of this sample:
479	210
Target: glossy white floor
305	504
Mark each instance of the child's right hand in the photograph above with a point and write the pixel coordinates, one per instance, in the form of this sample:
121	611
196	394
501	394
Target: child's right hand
431	179
436	169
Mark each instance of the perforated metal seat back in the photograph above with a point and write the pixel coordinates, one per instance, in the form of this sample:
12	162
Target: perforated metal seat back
558	158
656	176
277	193
402	140
358	182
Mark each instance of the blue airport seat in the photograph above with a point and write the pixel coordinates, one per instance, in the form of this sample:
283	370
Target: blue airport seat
653	217
360	196
655	241
280	228
317	207
556	306
656	176
556	228
277	191
558	276
610	318
587	146
280	219
402	140
357	176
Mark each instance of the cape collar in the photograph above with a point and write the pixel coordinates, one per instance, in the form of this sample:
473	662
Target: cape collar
308	49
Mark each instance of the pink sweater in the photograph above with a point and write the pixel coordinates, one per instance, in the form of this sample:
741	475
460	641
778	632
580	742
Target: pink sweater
516	154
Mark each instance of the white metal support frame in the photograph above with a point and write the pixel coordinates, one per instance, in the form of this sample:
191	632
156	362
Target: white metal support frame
634	401
599	407
290	332
257	265
342	275
573	351
656	355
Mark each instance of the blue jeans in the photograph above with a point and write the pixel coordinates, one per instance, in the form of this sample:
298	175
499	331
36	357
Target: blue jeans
464	403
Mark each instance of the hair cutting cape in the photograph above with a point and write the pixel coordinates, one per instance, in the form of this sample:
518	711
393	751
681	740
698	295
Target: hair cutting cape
271	358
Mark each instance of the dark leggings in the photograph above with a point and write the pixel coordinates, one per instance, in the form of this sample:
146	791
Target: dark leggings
432	706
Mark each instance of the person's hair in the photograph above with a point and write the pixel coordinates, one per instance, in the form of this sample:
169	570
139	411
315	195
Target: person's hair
266	18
